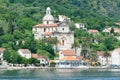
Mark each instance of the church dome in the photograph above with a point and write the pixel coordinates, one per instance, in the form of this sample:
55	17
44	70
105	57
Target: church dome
48	16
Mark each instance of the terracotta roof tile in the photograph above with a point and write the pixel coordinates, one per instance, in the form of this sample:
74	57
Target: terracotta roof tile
34	55
80	57
68	52
2	50
47	33
69	58
46	25
93	31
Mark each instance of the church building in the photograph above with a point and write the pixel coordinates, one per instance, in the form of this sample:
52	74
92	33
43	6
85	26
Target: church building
49	28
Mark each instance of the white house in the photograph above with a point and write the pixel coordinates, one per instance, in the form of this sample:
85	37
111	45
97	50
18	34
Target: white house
102	59
43	60
108	30
1	54
25	53
80	26
63	18
116	57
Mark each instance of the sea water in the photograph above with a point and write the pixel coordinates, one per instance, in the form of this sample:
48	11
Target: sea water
60	74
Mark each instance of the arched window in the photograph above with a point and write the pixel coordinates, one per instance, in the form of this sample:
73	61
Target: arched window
63	42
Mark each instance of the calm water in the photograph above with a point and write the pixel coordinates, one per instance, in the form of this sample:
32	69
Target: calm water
69	74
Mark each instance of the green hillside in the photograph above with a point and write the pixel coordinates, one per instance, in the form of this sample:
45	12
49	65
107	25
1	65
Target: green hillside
17	17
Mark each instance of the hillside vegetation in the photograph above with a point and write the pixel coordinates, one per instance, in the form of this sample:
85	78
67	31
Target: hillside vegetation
18	16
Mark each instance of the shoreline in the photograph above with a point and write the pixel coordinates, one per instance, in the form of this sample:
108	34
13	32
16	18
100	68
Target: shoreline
82	68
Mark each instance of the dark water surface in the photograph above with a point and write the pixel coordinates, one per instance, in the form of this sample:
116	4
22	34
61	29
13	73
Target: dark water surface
60	74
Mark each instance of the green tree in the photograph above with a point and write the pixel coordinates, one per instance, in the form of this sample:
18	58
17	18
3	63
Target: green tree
107	55
10	56
43	53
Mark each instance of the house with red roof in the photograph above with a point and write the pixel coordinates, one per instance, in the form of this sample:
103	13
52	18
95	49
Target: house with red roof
93	31
68	59
43	60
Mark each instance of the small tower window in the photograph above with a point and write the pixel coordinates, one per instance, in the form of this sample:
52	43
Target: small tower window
44	29
62	28
63	42
47	22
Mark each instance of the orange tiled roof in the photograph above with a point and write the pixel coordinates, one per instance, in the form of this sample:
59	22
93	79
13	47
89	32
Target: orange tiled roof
80	57
47	33
46	25
34	55
68	52
69	58
93	31
2	50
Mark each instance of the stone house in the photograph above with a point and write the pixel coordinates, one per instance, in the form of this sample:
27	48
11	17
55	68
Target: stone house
25	53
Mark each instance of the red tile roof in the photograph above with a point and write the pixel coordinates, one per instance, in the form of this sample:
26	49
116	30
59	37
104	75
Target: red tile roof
2	50
46	25
34	55
93	31
69	58
80	57
68	52
47	33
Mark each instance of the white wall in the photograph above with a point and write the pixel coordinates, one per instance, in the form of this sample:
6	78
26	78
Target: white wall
26	55
115	58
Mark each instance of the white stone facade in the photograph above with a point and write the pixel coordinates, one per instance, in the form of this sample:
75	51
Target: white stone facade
51	29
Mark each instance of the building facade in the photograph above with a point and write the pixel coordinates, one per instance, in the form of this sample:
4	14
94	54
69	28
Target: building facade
60	30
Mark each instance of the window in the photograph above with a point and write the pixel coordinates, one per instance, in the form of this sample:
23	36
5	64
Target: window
63	42
62	28
44	29
47	22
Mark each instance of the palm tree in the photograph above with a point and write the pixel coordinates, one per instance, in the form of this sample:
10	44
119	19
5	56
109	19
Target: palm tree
85	46
52	40
75	44
107	55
